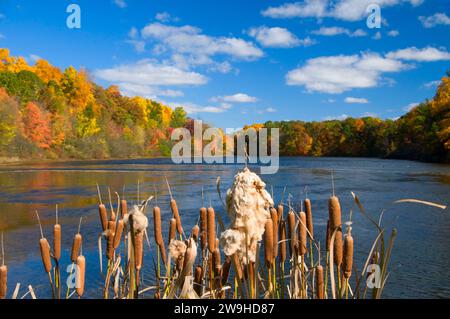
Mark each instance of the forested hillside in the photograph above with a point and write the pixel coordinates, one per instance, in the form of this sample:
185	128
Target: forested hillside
49	113
53	114
421	134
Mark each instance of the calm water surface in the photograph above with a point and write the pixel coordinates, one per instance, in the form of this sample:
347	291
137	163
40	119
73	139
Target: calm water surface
421	258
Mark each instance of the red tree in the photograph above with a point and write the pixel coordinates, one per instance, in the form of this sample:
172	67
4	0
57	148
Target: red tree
36	126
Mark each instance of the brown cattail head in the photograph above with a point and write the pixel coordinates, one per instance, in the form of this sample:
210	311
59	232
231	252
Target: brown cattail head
302	243
81	272
138	249
57	242
226	270
119	232
217	264
123	208
211	229
103	216
275	221
110	245
283	241
309	219
157	225
235	260
338	247
280	210
320	288
348	254
203	241
291	233
172	229
334	212
195	232
203	219
3	281
112	226
268	242
198	277
45	254
176	215
76	247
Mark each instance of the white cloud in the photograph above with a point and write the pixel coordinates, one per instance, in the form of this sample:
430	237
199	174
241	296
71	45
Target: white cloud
332	31
393	33
120	3
356	100
349	10
434	20
193	108
336	117
428	54
276	37
236	98
377	36
337	74
146	77
189	40
163	16
139	46
34	58
133	33
410	106
270	110
432	84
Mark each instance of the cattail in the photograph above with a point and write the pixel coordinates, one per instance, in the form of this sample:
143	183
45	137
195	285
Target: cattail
138	249
203	241
274	216
103	216
110	245
226	270
268	243
157	225
280	210
291	232
172	229
283	241
176	215
309	219
211	230
119	231
195	232
302	234
334	210
320	288
235	259
348	254
123	208
3	281
338	248
112	226
57	241
198	275
203	219
76	247
217	264
81	267
45	254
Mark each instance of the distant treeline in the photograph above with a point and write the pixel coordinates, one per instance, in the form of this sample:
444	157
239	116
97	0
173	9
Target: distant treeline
54	114
421	134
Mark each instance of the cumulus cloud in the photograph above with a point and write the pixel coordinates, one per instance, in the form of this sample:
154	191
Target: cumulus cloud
393	33
120	3
193	108
356	100
236	98
147	76
434	20
164	17
277	37
336	117
333	31
428	54
348	10
190	40
337	74
410	106
432	84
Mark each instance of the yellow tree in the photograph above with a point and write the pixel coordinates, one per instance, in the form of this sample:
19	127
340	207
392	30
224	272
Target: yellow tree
78	89
47	72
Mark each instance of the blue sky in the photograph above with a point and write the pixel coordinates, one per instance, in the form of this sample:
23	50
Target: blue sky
238	62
